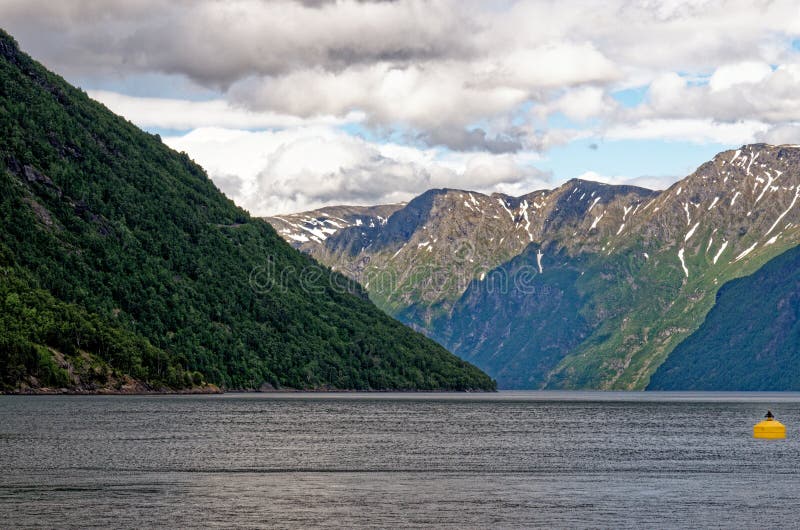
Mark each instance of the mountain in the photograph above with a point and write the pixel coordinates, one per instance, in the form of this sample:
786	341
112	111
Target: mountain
124	267
584	286
417	263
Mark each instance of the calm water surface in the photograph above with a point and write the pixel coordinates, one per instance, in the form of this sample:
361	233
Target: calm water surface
464	460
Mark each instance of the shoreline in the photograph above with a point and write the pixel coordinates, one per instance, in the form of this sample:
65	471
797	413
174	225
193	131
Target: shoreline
214	390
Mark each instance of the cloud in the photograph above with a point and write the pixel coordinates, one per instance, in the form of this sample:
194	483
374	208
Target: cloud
164	113
218	43
646	181
579	104
729	75
450	93
271	172
693	130
788	133
750	91
474	140
439	68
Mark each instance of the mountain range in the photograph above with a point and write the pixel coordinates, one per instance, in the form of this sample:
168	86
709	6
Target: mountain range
590	285
124	269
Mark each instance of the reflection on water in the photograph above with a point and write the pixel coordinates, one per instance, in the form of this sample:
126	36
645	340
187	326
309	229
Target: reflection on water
298	460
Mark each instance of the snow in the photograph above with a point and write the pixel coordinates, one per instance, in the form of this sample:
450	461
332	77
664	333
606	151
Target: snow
746	252
770	180
688	217
398	251
683	263
503	204
720	251
691	232
358	222
621	227
753	159
714	203
626	209
596	220
527	220
710	242
646	255
423	244
733	200
313	231
772	240
680	189
736	155
595	202
539	260
781	216
483	275
298	237
473	200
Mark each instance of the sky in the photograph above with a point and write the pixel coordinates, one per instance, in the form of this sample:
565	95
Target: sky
293	105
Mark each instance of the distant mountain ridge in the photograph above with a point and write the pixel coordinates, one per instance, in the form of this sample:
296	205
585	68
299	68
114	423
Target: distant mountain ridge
631	272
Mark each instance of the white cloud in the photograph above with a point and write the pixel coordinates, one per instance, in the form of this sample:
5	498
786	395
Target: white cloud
692	130
729	75
788	133
271	172
181	114
423	96
580	104
646	181
752	93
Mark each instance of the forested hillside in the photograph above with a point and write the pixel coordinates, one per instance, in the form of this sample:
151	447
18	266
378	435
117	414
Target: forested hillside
119	259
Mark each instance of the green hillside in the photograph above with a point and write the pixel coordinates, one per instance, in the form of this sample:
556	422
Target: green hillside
750	340
120	254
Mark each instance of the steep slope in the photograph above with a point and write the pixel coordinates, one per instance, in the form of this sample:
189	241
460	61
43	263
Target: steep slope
746	342
128	247
519	323
632	272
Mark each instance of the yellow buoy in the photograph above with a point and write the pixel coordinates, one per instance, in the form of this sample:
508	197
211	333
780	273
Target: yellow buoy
770	428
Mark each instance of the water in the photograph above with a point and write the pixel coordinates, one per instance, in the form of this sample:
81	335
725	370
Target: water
386	460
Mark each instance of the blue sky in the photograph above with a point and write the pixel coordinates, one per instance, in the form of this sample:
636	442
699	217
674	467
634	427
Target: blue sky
294	105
